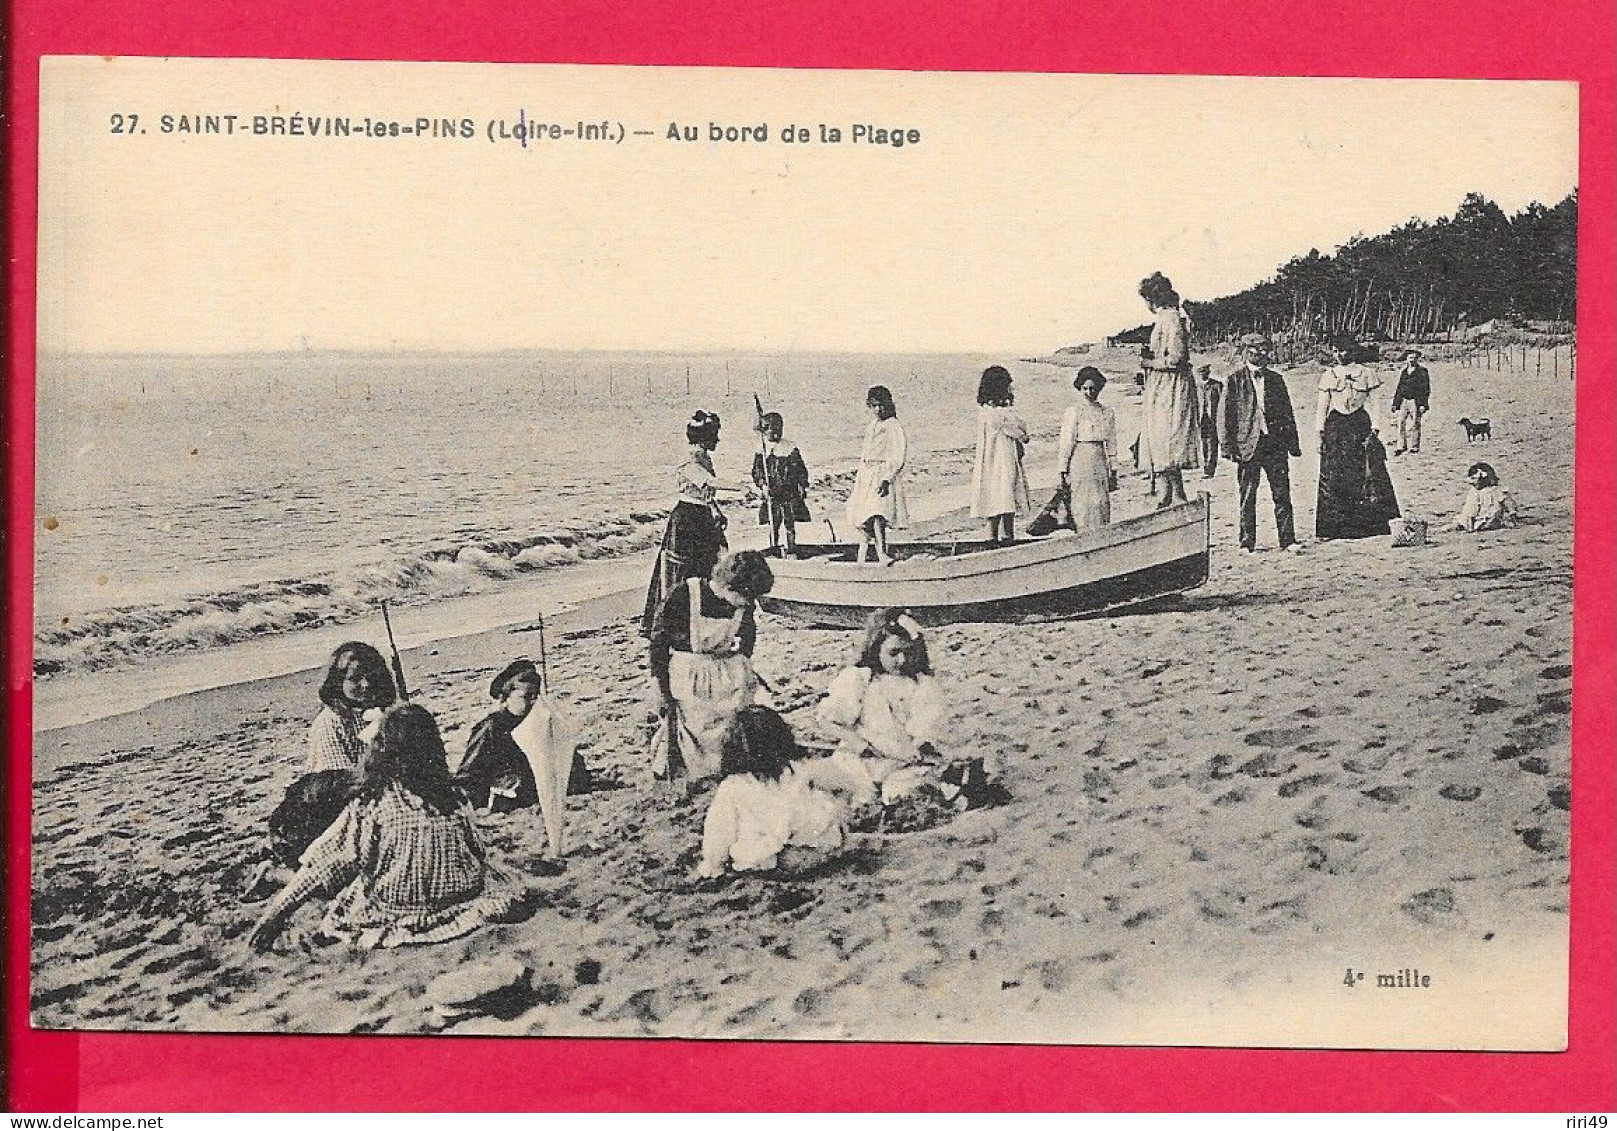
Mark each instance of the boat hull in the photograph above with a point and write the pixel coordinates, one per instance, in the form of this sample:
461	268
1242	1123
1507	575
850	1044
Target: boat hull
1134	561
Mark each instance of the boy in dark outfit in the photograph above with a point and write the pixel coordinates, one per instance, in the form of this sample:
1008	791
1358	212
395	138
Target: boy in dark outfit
495	774
779	471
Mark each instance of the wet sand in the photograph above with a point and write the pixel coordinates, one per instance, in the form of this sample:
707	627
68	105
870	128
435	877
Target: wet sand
1351	760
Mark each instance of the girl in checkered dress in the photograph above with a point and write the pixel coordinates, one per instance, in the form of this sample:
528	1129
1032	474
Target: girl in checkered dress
403	863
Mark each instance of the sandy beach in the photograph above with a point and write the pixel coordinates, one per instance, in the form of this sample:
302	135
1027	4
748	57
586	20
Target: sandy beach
1355	759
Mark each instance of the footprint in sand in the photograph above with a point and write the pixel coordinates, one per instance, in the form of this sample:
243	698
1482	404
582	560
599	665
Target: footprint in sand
54	931
1560	796
1487	705
1431	906
185	840
1276	737
1140	918
1297	785
812	1002
1461	792
1534	765
1555	703
195	956
1267	765
1541	840
1387	794
1053	974
1557	671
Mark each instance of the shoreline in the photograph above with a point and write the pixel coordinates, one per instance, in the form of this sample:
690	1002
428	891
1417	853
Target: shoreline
571	598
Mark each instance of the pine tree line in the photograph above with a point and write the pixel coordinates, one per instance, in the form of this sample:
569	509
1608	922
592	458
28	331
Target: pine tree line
1420	280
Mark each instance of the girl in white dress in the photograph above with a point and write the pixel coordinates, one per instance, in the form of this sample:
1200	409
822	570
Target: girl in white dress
1488	506
772	810
1170	430
998	484
887	710
877	502
1087	450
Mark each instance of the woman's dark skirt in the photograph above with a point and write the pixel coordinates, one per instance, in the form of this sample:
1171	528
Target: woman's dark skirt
691	547
1356	498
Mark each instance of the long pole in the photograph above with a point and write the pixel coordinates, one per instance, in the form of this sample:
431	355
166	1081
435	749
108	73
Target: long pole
544	666
398	661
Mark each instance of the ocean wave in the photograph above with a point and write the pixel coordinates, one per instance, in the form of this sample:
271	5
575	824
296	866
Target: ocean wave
114	637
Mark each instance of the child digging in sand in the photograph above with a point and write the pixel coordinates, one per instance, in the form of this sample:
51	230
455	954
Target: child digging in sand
887	709
773	810
403	863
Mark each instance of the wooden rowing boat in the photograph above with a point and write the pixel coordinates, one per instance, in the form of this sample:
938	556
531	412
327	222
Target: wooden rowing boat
1129	562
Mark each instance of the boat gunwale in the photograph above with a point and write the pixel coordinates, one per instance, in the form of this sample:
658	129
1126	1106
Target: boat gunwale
992	560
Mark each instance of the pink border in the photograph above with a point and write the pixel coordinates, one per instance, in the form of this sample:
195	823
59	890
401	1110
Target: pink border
1570	39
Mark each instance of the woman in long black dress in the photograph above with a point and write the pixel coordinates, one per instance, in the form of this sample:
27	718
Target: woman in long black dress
694	538
1356	498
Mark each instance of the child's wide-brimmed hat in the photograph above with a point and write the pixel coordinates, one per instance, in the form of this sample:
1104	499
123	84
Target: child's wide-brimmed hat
523	669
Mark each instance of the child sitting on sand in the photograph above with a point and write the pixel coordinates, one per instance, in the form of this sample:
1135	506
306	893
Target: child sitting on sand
357	684
403	863
772	810
356	688
783	477
1488	506
887	710
495	773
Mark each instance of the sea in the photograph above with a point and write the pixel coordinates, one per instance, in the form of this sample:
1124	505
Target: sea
186	503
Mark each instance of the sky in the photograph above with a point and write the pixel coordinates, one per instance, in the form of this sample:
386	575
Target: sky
1022	219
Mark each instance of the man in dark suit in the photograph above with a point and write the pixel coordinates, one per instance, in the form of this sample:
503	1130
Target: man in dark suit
1258	430
1409	402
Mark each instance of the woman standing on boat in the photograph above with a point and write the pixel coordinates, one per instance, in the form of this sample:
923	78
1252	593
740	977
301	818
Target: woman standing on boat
1356	498
877	502
694	538
998	484
1086	452
1170	435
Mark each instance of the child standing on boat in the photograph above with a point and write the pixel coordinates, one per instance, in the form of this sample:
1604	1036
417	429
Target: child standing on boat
887	710
780	473
877	503
998	484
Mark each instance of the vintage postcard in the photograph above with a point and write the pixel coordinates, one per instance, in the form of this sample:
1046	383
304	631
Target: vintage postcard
873	556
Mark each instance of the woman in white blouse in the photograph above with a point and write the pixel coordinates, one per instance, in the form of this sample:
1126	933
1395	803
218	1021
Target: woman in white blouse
1087	450
1356	498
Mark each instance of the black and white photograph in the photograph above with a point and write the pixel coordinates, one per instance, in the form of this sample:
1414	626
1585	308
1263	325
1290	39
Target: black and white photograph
540	550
